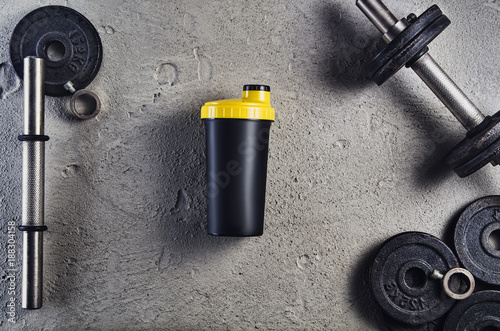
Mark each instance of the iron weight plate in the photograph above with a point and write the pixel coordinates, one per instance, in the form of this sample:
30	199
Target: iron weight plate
477	236
481	311
400	277
65	39
478	148
408	44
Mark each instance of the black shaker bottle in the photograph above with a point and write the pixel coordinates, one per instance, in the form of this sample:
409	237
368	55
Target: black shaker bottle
237	138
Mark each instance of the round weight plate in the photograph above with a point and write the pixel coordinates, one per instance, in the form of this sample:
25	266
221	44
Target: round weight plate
477	149
65	39
480	160
477	239
481	311
405	37
409	43
400	277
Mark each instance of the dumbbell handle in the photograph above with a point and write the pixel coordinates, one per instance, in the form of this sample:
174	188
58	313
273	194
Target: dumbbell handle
33	181
425	67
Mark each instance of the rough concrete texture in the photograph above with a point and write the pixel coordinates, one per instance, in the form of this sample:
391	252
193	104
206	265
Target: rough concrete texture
350	164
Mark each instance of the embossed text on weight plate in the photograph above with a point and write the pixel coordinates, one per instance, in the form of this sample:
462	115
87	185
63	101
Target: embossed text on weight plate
404	301
79	48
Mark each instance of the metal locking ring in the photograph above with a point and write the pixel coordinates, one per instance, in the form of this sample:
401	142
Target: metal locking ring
446	283
85	104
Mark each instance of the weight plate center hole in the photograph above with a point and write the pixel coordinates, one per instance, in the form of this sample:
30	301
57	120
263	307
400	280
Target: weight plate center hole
415	278
55	51
494	241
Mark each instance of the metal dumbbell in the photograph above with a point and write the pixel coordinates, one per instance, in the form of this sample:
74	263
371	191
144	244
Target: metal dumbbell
407	41
55	50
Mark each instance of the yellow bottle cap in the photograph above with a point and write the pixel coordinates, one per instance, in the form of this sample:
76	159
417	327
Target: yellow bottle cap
255	104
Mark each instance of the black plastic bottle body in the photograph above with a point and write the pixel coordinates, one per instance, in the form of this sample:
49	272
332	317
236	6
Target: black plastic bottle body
237	151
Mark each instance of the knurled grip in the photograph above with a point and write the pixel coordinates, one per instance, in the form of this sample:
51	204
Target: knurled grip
448	92
33	183
32	223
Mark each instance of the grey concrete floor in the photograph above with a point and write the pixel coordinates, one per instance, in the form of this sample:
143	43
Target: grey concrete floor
350	164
